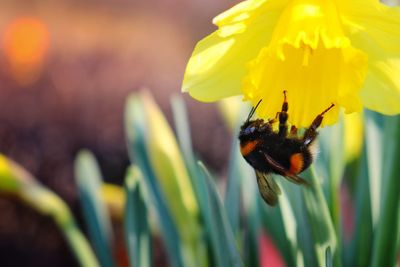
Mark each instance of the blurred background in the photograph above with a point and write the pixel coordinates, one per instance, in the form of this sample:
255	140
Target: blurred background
66	68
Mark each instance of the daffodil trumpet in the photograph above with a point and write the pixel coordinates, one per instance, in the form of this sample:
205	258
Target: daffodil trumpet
345	52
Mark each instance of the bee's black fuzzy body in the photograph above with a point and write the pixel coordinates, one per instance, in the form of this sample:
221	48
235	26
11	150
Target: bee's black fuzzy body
278	148
279	152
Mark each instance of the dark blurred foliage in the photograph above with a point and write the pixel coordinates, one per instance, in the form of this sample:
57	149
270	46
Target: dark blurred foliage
29	239
97	52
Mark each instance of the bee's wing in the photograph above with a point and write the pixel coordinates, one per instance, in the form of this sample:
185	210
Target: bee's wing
279	168
268	188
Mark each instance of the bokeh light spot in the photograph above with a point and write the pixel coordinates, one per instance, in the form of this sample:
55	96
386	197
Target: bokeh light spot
25	43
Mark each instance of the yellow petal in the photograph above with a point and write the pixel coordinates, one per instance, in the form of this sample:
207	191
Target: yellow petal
353	136
382	87
375	28
230	109
236	19
218	63
312	60
114	198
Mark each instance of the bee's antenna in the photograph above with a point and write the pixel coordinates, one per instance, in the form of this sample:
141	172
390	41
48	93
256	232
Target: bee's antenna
253	110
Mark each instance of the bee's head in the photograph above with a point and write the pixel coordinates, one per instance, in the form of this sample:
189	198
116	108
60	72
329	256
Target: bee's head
251	128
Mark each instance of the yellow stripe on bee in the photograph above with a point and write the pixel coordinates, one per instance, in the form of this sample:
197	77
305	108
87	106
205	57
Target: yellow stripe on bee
296	163
248	147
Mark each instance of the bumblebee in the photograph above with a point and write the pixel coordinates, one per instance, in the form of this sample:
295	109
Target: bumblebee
280	152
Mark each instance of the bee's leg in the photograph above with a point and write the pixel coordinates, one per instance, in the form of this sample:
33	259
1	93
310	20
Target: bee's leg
293	131
283	117
272	121
311	133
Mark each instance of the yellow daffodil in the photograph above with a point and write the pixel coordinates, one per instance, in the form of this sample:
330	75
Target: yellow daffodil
345	52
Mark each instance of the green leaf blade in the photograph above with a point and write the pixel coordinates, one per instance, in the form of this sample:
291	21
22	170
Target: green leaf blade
137	232
223	241
135	127
95	213
321	224
384	247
